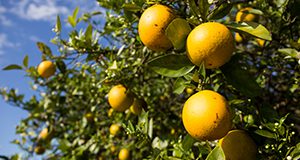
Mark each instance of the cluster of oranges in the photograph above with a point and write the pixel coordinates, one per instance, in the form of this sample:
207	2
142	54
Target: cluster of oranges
205	114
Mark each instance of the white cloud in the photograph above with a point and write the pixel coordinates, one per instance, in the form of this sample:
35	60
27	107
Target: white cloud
45	10
3	19
5	43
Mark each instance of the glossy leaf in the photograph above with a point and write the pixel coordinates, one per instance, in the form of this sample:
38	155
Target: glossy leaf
265	133
251	28
241	79
177	32
171	65
290	52
216	154
194	8
180	85
13	67
221	11
203	8
73	19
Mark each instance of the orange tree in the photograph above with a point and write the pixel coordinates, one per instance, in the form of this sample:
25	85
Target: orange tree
155	62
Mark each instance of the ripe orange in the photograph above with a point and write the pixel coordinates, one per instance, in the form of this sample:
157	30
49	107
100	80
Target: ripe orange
206	116
123	154
237	144
114	129
46	69
39	150
152	25
260	42
119	98
211	43
243	16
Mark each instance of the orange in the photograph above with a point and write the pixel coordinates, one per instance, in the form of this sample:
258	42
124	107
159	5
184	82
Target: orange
211	43
237	144
260	42
152	25
206	115
119	98
243	16
189	90
46	69
123	154
114	129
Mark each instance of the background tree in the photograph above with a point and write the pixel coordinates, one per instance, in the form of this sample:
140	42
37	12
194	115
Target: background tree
70	117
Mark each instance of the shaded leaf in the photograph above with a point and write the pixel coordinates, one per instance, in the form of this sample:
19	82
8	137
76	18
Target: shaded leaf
61	66
194	8
131	7
216	154
203	8
290	52
44	48
240	79
220	11
89	33
177	32
188	142
171	65
13	67
180	85
251	28
265	133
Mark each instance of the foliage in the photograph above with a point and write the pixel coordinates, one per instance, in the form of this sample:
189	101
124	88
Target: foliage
260	83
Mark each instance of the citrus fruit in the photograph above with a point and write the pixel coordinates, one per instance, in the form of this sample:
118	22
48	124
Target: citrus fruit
123	154
206	116
189	90
237	144
260	42
39	150
110	112
152	25
114	129
44	134
211	43
46	69
136	107
238	38
119	98
243	15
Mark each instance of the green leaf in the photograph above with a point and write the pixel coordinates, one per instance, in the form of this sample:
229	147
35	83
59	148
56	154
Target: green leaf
89	33
251	28
61	66
216	154
290	52
194	8
73	19
131	7
44	48
13	67
171	65
177	32
221	11
25	61
265	133
188	142
58	24
180	85
240	79
203	8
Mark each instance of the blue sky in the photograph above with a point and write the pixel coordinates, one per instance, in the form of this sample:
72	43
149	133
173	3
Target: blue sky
22	24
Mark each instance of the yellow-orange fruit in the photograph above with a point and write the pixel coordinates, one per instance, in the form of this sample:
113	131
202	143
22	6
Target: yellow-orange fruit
211	43
206	116
243	16
119	98
46	69
152	25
